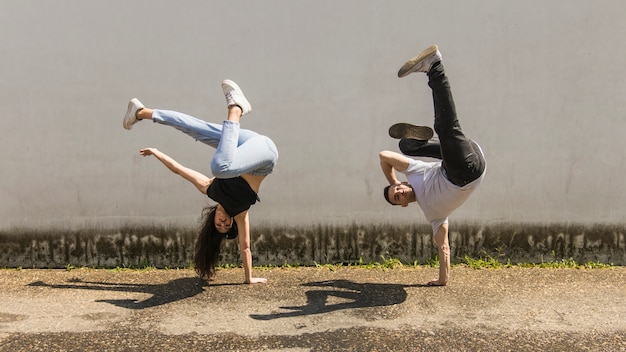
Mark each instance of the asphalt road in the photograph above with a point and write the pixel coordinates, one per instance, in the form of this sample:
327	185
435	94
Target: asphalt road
314	309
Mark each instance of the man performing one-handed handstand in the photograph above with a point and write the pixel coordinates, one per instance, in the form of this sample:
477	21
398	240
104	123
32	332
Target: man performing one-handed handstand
438	187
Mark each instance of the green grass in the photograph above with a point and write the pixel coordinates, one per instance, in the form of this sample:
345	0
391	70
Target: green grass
487	262
570	263
473	263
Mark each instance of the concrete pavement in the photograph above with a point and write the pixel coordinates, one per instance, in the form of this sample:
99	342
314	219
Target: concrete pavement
314	309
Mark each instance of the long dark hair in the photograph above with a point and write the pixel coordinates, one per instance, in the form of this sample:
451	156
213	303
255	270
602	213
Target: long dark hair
209	242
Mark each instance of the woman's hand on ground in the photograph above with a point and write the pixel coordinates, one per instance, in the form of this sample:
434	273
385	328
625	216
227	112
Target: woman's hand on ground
257	280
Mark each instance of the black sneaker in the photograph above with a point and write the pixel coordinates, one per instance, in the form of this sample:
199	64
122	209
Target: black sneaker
406	130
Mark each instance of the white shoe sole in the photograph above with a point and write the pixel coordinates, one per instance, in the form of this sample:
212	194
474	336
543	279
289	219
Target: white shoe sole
130	118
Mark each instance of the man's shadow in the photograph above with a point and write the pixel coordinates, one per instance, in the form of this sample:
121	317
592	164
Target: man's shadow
359	295
172	291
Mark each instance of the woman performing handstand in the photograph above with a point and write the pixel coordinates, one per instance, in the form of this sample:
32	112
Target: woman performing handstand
242	160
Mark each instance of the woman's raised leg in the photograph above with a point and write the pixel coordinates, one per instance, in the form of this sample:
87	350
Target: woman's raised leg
256	156
206	132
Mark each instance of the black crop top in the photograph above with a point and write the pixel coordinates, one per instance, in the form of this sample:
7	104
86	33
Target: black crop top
234	194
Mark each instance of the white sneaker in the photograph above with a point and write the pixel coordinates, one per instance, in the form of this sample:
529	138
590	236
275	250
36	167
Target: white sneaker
130	119
234	96
422	62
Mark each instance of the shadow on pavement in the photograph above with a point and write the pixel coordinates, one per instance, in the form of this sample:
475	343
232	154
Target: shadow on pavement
359	295
172	291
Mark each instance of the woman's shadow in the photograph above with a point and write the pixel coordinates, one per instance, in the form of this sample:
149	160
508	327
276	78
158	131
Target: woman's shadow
172	291
359	295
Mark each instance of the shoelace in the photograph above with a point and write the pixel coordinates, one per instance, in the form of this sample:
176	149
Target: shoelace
229	98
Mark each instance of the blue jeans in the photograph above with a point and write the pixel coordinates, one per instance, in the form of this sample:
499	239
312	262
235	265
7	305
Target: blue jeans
238	151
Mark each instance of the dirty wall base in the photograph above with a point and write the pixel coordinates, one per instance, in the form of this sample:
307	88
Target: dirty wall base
173	247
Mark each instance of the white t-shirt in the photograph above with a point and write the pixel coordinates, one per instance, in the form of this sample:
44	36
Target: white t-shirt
436	195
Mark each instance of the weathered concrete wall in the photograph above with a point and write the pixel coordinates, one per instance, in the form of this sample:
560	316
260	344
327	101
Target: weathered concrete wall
172	247
540	84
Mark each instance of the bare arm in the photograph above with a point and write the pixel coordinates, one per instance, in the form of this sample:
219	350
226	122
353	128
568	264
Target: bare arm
243	226
391	161
443	248
199	180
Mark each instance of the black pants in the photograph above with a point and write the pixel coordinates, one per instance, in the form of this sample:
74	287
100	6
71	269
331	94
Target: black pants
461	157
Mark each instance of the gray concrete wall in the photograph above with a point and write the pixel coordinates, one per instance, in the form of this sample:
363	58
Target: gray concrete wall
540	84
172	247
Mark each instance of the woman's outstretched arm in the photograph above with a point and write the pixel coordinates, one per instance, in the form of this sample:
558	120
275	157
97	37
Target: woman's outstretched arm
199	180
